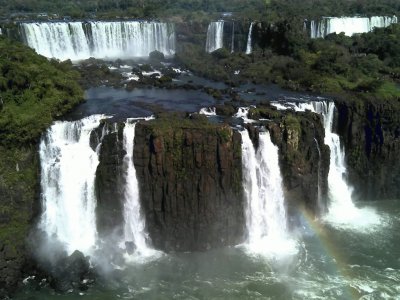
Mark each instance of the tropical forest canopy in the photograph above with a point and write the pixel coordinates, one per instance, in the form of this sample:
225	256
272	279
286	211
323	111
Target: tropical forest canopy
167	8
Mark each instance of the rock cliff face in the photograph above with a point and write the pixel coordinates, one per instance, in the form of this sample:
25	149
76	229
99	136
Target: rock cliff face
190	180
370	131
109	178
303	157
19	191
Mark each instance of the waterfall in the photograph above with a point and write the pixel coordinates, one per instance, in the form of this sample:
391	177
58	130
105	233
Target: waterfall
249	48
68	168
215	34
266	221
134	229
348	25
233	38
341	209
341	206
99	39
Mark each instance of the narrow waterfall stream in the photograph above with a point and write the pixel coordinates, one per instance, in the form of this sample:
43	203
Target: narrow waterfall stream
266	220
135	236
68	167
249	47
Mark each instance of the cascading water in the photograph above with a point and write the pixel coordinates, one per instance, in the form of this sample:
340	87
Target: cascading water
208	111
262	183
348	25
249	47
341	209
134	229
100	39
233	38
68	168
215	34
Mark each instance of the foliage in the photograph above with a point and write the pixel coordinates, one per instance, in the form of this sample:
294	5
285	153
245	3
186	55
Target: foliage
33	91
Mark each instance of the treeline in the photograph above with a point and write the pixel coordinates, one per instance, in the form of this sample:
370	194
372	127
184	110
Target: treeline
284	9
129	8
364	65
33	92
271	9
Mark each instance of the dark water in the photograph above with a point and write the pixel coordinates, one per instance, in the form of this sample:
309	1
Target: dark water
138	103
330	262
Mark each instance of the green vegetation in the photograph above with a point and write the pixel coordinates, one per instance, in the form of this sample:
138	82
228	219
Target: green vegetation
33	91
365	65
188	9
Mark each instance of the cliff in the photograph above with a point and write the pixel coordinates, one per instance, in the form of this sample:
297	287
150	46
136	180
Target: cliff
370	131
189	173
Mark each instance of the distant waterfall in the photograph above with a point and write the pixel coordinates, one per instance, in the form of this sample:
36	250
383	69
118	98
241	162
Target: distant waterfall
348	25
215	35
99	39
266	220
134	229
68	168
233	38
249	47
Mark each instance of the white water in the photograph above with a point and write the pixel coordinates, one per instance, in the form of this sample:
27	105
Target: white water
208	111
341	209
215	35
100	39
68	167
348	25
134	229
266	221
249	47
233	38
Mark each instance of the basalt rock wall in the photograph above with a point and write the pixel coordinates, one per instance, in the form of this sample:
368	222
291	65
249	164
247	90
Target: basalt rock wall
190	184
370	131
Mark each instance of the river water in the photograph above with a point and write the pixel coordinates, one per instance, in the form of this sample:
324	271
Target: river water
331	262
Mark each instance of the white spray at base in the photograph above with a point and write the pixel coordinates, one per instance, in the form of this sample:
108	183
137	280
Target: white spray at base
266	220
341	209
68	169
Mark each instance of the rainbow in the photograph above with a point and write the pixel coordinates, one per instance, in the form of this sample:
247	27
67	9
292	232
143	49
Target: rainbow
339	262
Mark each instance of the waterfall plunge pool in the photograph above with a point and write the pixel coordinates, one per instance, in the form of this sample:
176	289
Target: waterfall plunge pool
331	263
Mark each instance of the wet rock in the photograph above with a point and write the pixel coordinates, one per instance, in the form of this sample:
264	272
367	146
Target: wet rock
189	172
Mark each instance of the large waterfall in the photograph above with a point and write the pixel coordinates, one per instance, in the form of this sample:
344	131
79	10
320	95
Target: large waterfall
68	168
134	229
262	183
249	47
348	25
99	39
215	35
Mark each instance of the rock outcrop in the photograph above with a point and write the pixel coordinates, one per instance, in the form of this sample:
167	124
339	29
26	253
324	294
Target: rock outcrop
189	174
109	178
370	131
